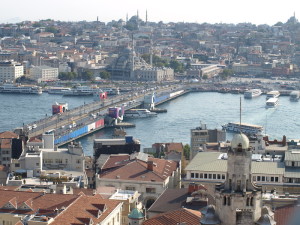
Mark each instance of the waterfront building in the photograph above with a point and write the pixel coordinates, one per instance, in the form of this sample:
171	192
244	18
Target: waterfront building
44	73
138	172
201	136
155	74
10	147
10	71
42	160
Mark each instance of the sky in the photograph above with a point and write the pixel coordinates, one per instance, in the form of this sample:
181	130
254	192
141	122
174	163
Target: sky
199	11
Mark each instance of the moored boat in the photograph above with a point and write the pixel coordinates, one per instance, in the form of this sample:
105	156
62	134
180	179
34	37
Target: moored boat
272	102
20	89
138	113
242	127
252	93
272	94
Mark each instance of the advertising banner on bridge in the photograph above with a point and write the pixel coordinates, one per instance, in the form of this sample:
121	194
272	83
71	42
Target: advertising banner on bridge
103	95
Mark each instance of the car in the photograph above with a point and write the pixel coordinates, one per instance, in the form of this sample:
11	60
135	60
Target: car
34	126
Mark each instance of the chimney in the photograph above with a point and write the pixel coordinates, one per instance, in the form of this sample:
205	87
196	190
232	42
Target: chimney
192	188
150	165
284	140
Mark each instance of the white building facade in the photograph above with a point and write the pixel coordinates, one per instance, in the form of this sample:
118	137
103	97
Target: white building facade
10	71
44	73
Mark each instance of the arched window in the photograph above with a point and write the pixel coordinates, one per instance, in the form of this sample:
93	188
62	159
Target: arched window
252	201
248	201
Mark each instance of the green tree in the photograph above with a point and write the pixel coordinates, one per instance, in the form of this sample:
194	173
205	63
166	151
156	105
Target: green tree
105	74
51	30
177	66
226	74
67	76
186	151
87	75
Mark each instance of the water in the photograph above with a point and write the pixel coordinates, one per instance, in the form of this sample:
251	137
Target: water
184	113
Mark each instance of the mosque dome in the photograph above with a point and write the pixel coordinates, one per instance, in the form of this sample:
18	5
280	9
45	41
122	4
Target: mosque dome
136	214
240	139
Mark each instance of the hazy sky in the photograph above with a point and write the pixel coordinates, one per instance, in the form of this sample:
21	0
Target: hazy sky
211	11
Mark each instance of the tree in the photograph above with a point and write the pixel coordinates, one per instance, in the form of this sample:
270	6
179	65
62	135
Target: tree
87	75
186	151
226	74
51	30
67	76
105	74
176	66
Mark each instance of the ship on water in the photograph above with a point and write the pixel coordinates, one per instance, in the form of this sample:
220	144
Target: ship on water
20	89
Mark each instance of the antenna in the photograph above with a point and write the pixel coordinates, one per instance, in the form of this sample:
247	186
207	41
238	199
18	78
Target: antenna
240	113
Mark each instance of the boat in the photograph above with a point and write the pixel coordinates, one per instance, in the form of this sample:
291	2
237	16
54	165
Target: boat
242	127
82	91
272	94
272	102
138	113
111	91
20	89
252	93
294	96
58	90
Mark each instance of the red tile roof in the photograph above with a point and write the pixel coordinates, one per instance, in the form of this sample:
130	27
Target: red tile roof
137	170
86	208
190	217
284	214
8	134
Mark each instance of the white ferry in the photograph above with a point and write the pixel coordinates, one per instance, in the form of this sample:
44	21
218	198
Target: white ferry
243	127
81	91
111	91
252	93
294	96
138	113
58	90
272	102
272	94
20	89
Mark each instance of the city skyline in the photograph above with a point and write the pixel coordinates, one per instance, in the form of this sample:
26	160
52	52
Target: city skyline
231	11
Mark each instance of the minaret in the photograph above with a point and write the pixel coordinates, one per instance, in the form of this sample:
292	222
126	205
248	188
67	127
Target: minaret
238	200
146	18
137	19
126	18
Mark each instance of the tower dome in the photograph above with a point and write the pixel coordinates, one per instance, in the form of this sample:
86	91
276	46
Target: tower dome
136	214
240	140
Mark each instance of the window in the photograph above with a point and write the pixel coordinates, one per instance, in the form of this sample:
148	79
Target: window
209	176
197	175
214	176
263	178
130	188
276	179
192	175
205	175
201	175
150	190
272	179
223	176
219	176
78	161
17	165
